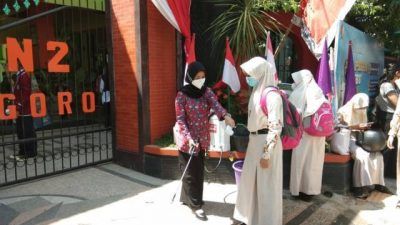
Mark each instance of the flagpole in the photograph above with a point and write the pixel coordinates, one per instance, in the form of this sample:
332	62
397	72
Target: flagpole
229	100
267	43
280	46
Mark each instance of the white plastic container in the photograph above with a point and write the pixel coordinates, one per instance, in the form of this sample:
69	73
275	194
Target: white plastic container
219	138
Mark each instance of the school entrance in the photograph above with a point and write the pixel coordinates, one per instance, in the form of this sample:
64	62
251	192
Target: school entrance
54	88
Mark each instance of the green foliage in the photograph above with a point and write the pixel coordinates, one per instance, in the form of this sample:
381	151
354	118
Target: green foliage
235	104
246	23
280	5
380	19
165	141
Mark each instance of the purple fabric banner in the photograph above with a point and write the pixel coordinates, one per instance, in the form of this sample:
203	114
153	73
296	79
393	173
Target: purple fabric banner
324	73
350	85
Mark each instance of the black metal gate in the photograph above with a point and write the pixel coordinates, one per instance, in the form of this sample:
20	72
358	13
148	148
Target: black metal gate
34	147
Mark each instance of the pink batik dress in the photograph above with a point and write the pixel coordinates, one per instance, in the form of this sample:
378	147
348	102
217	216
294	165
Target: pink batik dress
192	119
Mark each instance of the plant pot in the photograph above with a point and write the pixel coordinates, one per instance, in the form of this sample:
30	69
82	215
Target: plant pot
240	142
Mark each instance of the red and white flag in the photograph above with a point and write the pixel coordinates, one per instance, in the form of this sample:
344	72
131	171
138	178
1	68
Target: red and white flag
177	12
269	54
230	75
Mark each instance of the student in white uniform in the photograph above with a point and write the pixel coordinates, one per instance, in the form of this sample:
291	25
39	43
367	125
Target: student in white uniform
395	132
386	103
308	157
259	200
368	167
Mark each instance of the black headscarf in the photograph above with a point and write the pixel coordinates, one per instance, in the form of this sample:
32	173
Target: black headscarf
189	89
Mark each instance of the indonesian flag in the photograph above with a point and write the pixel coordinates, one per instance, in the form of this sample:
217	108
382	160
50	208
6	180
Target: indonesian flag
230	75
269	54
177	12
320	21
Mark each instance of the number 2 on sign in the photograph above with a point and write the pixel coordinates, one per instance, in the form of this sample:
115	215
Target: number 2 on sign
25	56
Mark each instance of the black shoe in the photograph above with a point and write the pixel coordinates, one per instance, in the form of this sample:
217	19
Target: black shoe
200	214
18	158
383	189
328	194
296	197
237	222
15	156
360	192
305	197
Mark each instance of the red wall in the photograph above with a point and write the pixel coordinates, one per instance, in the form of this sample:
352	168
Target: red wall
45	31
125	80
162	72
305	58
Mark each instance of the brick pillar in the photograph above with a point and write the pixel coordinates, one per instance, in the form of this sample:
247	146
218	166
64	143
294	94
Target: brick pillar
162	72
129	62
144	68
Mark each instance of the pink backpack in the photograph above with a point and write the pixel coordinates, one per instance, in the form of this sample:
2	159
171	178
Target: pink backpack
292	129
321	123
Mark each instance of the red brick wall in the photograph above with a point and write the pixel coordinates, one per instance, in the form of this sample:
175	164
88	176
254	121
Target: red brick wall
162	72
126	95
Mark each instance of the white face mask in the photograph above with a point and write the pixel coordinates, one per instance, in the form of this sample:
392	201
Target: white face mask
199	83
397	82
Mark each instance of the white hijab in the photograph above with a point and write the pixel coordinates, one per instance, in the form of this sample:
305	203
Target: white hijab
263	71
260	69
355	111
307	96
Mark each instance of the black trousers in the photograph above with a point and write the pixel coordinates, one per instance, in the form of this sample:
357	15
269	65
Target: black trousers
25	130
389	156
192	183
107	114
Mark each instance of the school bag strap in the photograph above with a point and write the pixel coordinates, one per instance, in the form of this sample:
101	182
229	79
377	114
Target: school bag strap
263	101
292	129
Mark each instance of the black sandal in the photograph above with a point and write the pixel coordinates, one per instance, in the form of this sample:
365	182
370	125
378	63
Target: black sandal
360	192
383	189
306	197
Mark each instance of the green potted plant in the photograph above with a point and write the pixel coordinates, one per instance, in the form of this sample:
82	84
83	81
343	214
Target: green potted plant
236	104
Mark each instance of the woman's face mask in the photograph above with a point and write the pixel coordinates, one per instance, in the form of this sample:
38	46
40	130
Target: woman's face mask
199	83
251	81
294	85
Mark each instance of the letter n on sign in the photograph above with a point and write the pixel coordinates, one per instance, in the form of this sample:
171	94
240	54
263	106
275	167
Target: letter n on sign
15	53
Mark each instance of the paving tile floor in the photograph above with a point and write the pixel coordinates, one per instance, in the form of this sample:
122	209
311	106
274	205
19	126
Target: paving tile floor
110	194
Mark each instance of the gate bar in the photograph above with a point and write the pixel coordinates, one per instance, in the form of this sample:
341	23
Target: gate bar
16	23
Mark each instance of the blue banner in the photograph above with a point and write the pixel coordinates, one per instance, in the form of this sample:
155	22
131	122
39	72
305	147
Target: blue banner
368	59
